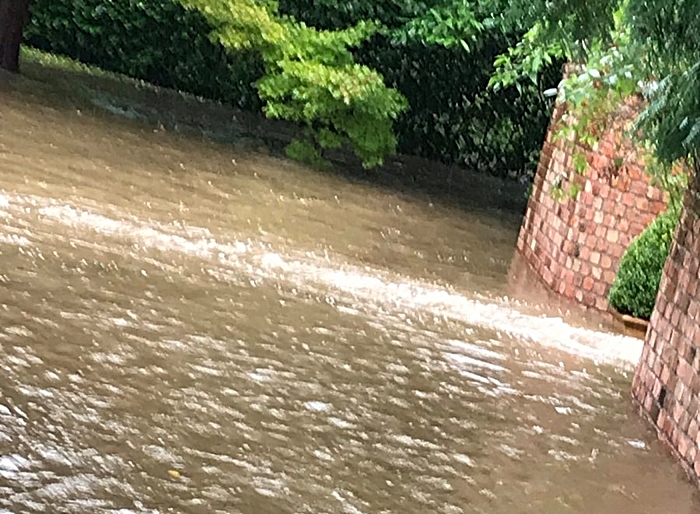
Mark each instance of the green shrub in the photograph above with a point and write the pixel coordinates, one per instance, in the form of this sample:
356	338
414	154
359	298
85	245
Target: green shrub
639	275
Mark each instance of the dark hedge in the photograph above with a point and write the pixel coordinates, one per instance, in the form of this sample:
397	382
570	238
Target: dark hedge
453	117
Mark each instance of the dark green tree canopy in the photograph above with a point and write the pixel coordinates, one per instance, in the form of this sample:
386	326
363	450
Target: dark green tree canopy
623	46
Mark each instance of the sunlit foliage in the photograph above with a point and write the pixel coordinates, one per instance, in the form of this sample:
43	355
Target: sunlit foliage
311	77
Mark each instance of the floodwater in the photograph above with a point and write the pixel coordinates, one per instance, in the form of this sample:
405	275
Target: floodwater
191	328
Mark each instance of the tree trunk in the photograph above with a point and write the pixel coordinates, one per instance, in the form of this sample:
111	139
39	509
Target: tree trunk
14	15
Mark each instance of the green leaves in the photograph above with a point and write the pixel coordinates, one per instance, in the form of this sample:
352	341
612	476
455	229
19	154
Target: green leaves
526	60
439	54
416	71
450	24
311	78
639	275
623	48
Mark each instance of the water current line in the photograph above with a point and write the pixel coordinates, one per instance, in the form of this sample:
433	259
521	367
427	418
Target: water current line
371	288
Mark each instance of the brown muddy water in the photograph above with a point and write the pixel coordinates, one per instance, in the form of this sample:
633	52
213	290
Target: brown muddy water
191	328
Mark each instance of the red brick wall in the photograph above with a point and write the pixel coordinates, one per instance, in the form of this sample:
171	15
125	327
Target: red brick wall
667	380
575	245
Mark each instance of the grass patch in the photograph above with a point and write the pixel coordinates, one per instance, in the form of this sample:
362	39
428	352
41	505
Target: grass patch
31	55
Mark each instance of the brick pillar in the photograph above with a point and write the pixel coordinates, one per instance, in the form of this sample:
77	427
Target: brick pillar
667	380
575	245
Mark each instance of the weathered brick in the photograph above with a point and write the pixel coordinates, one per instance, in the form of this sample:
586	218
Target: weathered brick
661	421
585	269
694	406
568	247
616	251
679	390
694	310
669	427
685	372
585	253
628	199
673	433
695	391
589	299
599	161
561	288
576	267
696	337
651	339
607	149
673	379
556	269
668	354
692	287
675	317
613	236
547	276
639	188
665	374
669	306
634	171
687	396
570	291
693	427
601	302
636	228
606	261
648	403
642	204
685	446
620	210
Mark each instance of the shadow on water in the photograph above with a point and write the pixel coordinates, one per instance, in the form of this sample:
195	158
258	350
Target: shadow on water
104	93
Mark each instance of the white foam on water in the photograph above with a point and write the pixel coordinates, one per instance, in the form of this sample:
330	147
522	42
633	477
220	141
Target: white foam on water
373	289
